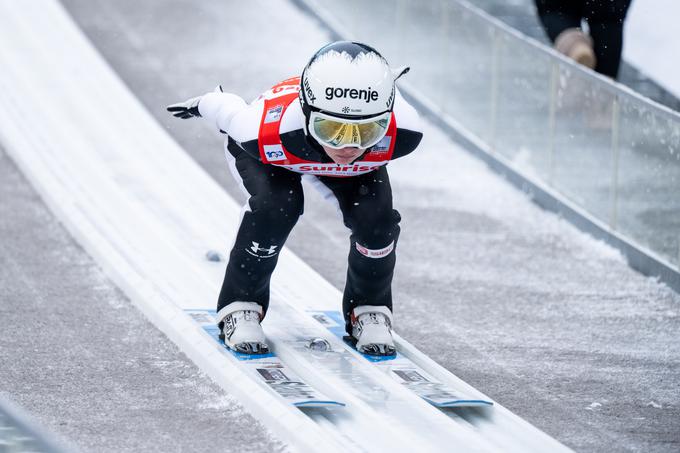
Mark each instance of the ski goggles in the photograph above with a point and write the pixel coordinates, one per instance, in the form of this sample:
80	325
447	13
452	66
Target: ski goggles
342	133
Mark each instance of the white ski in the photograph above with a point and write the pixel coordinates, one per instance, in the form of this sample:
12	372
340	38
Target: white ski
404	371
267	368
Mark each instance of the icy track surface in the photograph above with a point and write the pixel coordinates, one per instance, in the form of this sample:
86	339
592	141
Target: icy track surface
147	214
521	305
514	300
86	362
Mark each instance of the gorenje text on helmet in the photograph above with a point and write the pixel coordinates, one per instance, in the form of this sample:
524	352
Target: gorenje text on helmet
368	95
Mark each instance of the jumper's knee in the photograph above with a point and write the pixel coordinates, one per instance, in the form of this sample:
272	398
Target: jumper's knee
377	231
278	208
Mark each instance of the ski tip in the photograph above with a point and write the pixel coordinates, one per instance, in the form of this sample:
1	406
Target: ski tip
319	404
461	403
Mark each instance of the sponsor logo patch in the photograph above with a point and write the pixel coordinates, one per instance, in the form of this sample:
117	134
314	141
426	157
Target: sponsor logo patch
308	90
358	168
261	252
367	95
274	152
388	104
383	145
410	375
273	114
270	374
379	253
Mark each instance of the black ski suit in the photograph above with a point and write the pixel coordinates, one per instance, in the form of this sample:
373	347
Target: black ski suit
276	202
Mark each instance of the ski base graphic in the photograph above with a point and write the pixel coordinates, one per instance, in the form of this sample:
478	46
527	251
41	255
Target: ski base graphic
268	368
403	370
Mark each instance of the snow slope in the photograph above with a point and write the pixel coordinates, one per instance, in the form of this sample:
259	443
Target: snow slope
518	300
147	213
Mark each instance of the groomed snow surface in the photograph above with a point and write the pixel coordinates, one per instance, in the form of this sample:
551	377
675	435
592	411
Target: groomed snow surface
515	301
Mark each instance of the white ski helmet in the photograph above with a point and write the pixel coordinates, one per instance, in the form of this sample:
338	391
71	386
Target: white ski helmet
347	95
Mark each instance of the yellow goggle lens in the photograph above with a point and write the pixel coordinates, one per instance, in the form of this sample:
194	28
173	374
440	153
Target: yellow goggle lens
338	133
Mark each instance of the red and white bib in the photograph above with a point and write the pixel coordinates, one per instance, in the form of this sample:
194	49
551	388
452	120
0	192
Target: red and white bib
272	151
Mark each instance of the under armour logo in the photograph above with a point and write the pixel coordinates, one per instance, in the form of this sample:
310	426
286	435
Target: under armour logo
255	250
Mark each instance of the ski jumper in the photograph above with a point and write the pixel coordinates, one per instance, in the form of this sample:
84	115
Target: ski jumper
270	152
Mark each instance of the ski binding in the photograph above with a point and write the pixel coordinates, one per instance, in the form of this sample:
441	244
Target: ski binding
267	368
403	370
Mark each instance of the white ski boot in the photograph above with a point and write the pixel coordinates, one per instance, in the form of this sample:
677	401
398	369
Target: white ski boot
242	331
372	330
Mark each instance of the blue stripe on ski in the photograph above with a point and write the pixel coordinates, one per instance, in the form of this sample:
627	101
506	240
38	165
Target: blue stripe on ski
205	318
460	403
335	323
338	329
214	332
